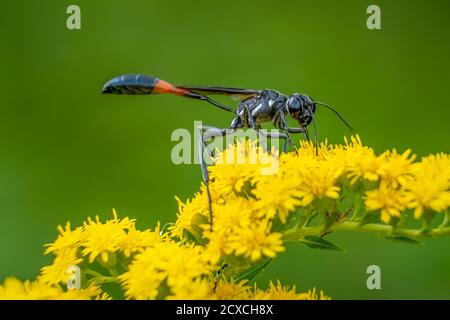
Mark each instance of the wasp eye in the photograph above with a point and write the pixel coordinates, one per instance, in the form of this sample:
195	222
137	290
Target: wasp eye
294	104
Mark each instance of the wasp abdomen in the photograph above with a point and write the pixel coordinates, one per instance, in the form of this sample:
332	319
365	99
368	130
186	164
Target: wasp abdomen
130	84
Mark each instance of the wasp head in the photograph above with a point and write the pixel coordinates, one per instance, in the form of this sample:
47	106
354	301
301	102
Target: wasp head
301	107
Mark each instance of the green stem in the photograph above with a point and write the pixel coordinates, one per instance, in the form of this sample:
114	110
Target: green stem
374	228
99	278
113	272
446	221
92	273
359	206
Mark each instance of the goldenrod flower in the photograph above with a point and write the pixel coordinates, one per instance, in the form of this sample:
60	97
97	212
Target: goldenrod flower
255	242
277	194
438	163
190	216
227	290
14	289
102	239
168	262
387	199
276	292
89	293
395	168
103	296
359	161
142	281
136	240
186	289
232	214
235	166
67	239
280	292
57	272
308	149
313	295
319	181
430	186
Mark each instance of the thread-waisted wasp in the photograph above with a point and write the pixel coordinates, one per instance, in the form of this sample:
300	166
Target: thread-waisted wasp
255	107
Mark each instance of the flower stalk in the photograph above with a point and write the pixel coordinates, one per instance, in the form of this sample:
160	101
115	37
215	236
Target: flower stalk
372	228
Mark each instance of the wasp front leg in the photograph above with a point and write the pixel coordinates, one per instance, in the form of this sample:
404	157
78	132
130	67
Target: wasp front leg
302	130
280	122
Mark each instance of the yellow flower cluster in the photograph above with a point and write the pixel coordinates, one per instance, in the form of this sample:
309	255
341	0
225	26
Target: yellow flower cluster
280	292
182	269
242	226
147	264
249	206
260	199
170	270
240	291
95	241
14	289
428	188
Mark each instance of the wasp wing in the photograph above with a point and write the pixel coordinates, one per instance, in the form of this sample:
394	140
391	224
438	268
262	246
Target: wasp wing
235	93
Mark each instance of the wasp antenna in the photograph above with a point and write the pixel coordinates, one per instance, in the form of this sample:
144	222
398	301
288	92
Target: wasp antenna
316	137
336	113
221	106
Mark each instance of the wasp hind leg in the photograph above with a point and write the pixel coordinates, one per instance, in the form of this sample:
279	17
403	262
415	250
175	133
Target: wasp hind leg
206	133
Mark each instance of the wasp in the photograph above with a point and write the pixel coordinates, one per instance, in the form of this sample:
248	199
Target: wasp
255	107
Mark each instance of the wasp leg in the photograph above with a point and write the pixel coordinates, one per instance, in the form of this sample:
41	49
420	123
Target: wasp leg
208	133
305	133
302	130
250	118
212	132
285	128
249	121
194	95
277	135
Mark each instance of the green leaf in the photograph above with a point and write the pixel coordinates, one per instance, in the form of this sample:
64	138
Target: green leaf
316	242
253	271
404	239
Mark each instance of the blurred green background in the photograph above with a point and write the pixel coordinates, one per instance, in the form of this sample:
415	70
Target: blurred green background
67	152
